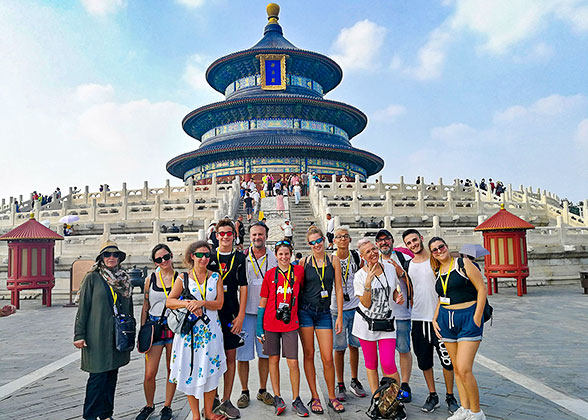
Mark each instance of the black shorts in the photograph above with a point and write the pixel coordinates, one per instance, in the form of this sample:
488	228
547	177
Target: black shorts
231	341
424	340
330	237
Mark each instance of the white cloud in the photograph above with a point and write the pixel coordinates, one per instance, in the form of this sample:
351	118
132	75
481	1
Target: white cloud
431	56
581	135
456	133
549	106
103	7
195	73
358	47
389	114
93	93
540	52
191	3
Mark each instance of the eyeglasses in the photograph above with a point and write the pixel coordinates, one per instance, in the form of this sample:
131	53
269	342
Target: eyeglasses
201	254
166	257
440	248
316	241
346	236
111	254
221	234
283	243
386	238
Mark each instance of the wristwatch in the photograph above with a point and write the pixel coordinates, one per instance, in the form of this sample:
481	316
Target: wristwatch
367	289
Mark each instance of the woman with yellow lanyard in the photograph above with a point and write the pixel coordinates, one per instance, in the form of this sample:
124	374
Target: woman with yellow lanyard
198	359
458	321
277	324
94	329
321	274
157	289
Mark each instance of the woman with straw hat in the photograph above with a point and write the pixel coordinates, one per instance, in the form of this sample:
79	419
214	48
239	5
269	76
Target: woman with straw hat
94	329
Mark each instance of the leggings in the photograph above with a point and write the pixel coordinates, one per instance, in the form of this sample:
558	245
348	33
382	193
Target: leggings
370	354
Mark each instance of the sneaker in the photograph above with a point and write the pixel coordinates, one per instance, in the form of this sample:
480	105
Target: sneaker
431	404
279	404
266	397
166	414
452	404
404	393
357	388
145	413
243	401
340	392
476	416
400	412
227	409
460	414
215	403
299	408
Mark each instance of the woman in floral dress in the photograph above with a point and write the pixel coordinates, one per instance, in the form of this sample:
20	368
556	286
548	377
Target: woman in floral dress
198	357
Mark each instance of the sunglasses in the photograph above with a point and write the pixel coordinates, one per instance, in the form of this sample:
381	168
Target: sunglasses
438	249
386	238
346	236
316	241
221	234
283	243
111	254
201	254
166	257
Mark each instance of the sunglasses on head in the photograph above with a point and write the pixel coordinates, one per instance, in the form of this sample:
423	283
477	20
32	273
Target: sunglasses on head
108	254
201	254
166	257
316	241
221	234
287	243
439	248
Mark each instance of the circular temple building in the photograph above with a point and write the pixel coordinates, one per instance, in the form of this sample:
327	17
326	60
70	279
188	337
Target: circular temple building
274	118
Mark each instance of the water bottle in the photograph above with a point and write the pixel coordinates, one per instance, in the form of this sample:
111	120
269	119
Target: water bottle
191	317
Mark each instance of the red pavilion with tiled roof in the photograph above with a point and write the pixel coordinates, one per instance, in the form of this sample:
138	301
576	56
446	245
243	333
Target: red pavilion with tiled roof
505	238
30	260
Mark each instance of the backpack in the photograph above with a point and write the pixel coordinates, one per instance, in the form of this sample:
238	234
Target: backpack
385	403
356	258
405	263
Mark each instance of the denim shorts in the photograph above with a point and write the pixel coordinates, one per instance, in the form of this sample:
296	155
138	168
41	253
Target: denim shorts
403	335
458	325
247	352
164	341
345	338
311	316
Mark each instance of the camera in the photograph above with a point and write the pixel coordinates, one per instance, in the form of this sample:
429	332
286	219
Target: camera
284	313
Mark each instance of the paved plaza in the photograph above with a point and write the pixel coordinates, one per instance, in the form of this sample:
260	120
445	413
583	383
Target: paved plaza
532	365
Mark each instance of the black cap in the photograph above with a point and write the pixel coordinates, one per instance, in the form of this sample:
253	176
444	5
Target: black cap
383	232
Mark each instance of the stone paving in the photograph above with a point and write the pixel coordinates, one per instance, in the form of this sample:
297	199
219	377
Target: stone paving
542	336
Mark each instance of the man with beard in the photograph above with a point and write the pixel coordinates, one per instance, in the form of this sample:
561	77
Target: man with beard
424	339
385	243
258	261
230	264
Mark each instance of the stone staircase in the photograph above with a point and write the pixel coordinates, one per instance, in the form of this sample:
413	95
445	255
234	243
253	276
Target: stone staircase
241	212
301	216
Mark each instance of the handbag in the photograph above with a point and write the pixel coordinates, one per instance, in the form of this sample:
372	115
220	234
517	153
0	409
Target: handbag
151	331
177	317
125	326
377	325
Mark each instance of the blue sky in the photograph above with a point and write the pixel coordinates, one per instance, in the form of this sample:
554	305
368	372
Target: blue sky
94	91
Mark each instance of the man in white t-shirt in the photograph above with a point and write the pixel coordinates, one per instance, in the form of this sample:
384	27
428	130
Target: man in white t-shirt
424	339
385	243
330	230
288	231
258	261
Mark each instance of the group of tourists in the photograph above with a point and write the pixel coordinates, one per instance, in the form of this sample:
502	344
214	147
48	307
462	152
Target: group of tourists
258	304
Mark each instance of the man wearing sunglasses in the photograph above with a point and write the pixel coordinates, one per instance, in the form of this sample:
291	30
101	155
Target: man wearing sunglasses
424	339
230	264
385	243
259	260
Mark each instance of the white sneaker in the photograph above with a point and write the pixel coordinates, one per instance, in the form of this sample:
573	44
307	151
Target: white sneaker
460	414
476	416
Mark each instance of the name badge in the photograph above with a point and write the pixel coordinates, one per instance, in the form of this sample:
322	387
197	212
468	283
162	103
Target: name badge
324	294
225	288
444	300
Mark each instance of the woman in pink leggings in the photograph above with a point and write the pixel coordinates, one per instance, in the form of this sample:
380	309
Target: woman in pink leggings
376	286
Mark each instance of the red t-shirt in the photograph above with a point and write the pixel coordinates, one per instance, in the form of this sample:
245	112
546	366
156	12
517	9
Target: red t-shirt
275	297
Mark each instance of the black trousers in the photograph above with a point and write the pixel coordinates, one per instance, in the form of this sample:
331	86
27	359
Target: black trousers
99	402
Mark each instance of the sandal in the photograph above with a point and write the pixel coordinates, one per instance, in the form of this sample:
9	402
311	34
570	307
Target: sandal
315	406
336	405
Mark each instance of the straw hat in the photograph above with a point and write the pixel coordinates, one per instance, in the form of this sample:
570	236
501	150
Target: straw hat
111	246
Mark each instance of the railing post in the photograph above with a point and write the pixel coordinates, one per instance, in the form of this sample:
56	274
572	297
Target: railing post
436	226
420	202
145	190
214	185
124	208
450	203
561	227
106	232
157	207
92	211
389	203
86	194
355	203
334	184
167	189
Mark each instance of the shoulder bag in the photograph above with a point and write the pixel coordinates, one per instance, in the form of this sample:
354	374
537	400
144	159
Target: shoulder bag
125	326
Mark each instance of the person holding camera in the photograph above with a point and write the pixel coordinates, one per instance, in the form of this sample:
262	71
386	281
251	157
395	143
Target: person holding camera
198	361
277	323
376	285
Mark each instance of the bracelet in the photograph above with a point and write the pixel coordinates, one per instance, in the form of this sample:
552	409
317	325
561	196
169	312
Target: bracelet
367	289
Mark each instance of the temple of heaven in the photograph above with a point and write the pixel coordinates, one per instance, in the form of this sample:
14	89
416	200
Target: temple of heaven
274	118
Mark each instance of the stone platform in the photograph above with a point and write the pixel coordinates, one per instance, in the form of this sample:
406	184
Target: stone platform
531	365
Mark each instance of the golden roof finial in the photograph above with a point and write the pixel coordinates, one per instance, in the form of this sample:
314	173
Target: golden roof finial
273	10
501	206
32	216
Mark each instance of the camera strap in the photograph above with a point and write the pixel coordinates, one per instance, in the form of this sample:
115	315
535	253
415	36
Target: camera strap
291	278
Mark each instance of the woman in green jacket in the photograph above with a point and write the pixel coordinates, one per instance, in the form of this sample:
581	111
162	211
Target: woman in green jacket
94	329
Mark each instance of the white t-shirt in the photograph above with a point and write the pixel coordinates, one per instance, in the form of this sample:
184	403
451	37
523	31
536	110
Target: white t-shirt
382	299
425	297
297	188
403	311
255	273
348	267
287	230
331	225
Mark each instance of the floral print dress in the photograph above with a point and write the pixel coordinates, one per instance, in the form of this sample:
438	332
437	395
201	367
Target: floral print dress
209	355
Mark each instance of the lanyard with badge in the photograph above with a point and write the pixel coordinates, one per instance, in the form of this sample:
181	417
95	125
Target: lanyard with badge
163	284
324	292
220	269
257	270
444	300
284	309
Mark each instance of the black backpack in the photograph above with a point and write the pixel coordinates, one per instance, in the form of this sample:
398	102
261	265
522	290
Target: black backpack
385	403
